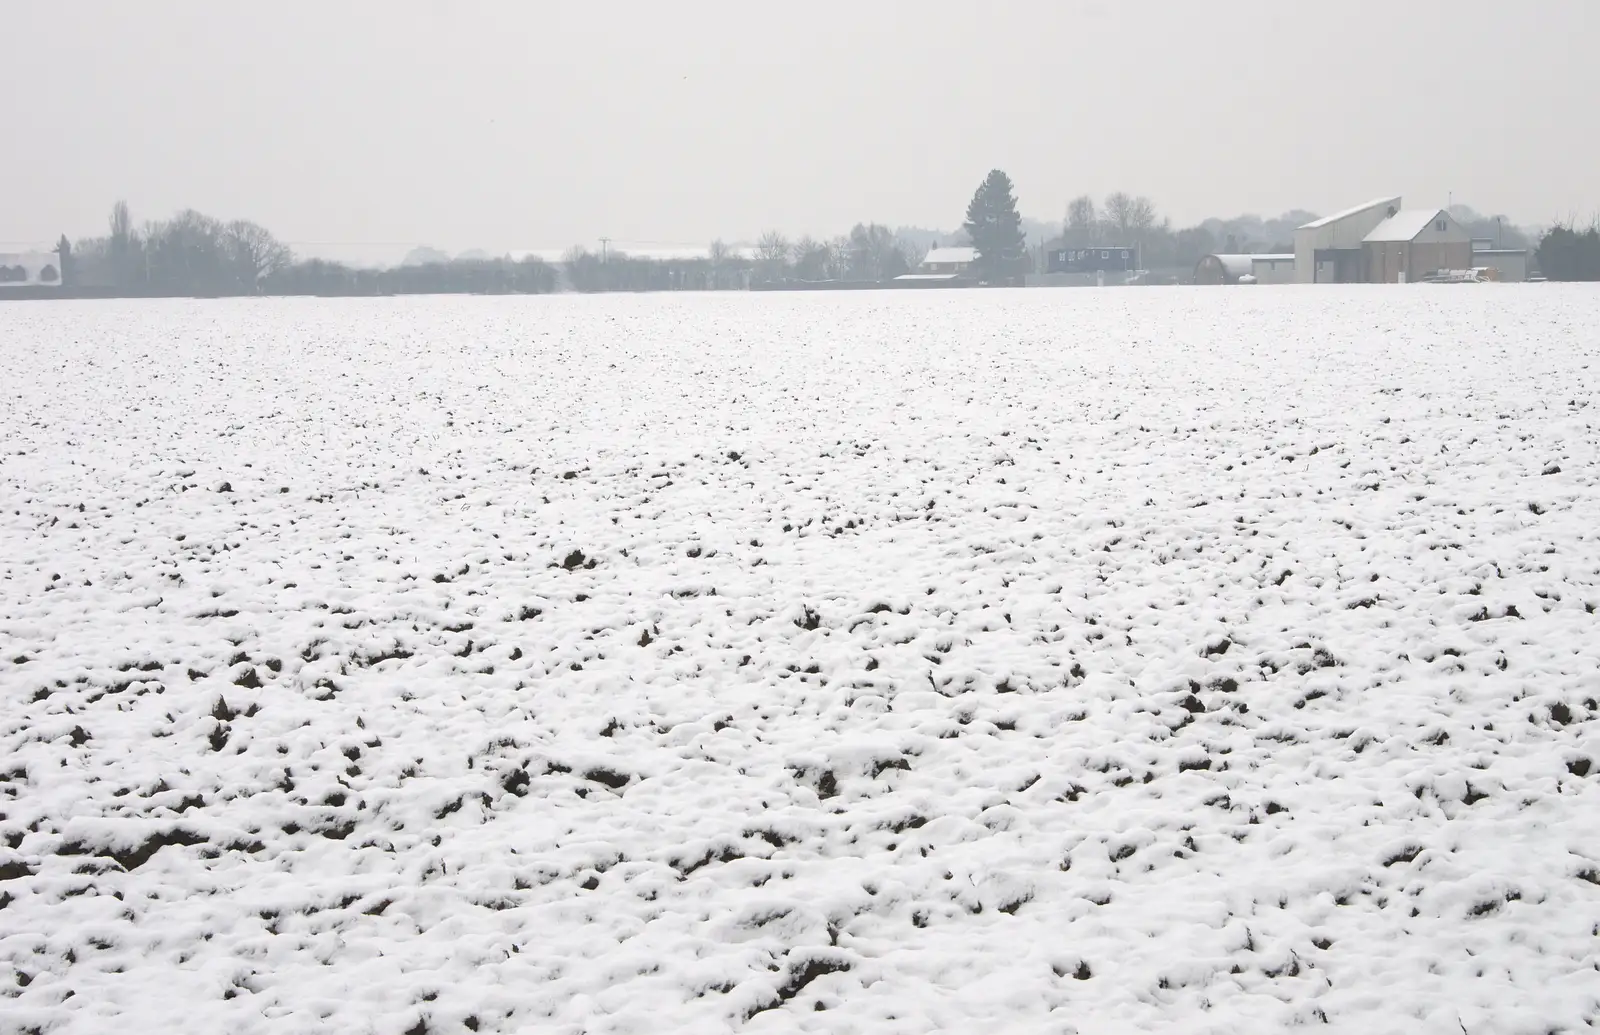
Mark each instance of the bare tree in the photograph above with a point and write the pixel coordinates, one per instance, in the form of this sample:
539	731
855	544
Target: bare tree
1130	218
121	244
1083	221
772	255
873	253
811	259
839	258
912	251
253	253
121	222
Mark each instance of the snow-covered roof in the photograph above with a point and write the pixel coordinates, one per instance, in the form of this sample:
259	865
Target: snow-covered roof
951	254
929	276
1347	213
1404	225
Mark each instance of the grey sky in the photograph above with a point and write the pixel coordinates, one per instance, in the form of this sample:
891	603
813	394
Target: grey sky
540	125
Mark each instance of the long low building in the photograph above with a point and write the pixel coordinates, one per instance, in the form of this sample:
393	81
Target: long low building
1510	265
1245	269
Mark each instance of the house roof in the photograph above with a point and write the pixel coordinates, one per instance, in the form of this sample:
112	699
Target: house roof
952	254
929	276
1347	213
1404	225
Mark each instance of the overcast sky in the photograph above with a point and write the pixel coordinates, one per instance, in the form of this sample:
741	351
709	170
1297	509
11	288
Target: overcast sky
347	125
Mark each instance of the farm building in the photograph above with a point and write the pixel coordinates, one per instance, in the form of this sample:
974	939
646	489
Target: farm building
1416	243
948	260
1106	259
1510	264
949	265
1331	250
1246	269
30	269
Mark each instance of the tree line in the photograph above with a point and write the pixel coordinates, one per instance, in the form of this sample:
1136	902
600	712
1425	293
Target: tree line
1567	253
872	253
195	254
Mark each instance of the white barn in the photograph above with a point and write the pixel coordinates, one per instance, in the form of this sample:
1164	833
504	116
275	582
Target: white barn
1331	250
1416	243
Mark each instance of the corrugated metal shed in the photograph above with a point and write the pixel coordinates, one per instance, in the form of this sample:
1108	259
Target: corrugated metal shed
1403	226
1236	265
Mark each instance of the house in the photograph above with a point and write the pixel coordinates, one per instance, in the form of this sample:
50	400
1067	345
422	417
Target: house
1245	269
1118	258
30	270
958	259
948	265
1331	250
1416	243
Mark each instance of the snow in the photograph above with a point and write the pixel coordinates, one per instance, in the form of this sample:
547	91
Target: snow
1404	225
1044	662
1347	213
951	254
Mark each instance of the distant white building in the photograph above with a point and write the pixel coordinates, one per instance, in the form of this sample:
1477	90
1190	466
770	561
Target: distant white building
30	269
1332	250
950	263
1416	243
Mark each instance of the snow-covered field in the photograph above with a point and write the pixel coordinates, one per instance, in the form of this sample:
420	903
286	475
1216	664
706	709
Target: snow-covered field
1052	661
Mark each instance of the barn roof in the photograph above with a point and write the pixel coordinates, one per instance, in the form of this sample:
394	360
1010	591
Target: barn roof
1403	226
951	254
1347	213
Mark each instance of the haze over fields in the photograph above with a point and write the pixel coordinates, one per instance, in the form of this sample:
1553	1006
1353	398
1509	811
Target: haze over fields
360	129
